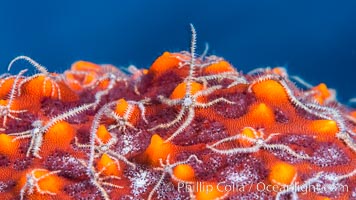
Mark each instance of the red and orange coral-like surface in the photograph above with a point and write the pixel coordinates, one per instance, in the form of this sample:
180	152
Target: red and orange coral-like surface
187	128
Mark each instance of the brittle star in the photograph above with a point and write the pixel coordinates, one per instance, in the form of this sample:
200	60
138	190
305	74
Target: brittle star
167	168
104	148
258	142
190	101
32	183
6	111
99	182
294	189
39	129
53	79
122	122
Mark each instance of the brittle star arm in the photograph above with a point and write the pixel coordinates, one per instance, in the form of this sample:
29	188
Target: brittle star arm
43	71
32	182
298	188
21	135
105	148
36	134
70	113
252	149
93	130
121	122
344	176
175	121
167	169
141	106
326	112
286	149
258	144
188	120
98	181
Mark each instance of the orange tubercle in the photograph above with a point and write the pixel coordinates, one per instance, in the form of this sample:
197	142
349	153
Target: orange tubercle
47	183
184	172
180	90
103	134
280	71
31	88
6	87
109	166
270	91
158	149
3	102
121	107
8	146
208	190
164	63
121	110
73	82
282	173
325	129
322	93
321	198
41	86
85	66
59	136
89	78
249	133
51	183
261	114
219	67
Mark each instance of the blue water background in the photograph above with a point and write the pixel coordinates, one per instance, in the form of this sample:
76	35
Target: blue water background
313	39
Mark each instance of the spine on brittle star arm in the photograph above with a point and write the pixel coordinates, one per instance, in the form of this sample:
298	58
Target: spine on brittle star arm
93	131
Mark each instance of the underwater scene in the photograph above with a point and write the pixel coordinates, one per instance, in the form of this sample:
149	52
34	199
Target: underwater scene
208	100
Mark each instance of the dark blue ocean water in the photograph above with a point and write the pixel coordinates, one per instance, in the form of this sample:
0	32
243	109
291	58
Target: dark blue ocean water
313	39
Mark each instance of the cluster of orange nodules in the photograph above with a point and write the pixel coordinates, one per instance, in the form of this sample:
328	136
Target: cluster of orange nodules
270	108
30	92
83	74
271	94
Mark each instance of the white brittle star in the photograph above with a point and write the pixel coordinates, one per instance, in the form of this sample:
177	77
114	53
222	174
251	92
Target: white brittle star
53	79
104	148
32	183
5	110
98	181
294	188
39	129
122	122
258	142
190	101
167	168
